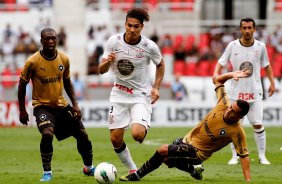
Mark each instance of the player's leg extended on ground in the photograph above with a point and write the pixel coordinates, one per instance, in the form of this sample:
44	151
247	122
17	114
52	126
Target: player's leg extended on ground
121	149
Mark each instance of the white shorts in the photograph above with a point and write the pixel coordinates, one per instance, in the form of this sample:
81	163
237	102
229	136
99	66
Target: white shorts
255	114
122	115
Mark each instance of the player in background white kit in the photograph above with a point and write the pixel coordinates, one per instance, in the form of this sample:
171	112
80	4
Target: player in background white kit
246	52
129	54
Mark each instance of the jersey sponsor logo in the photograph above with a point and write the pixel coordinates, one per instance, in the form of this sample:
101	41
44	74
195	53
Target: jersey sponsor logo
124	88
61	67
125	67
246	96
50	80
249	66
208	131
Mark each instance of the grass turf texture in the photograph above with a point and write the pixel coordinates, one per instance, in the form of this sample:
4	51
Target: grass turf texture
20	158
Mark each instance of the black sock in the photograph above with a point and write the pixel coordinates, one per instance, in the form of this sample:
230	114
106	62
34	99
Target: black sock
85	149
46	150
153	163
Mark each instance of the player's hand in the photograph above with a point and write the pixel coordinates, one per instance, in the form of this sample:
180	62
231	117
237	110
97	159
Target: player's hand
24	117
76	112
241	74
111	58
271	90
155	94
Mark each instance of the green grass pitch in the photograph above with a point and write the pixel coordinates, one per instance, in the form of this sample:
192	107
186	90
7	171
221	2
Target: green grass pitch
20	158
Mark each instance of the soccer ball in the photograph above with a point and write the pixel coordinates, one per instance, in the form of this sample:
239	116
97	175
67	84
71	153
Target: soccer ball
105	173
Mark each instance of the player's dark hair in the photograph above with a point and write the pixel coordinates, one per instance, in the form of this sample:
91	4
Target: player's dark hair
244	106
46	30
139	14
247	19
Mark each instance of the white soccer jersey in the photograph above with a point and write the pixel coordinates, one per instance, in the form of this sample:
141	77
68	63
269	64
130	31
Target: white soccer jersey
254	58
132	80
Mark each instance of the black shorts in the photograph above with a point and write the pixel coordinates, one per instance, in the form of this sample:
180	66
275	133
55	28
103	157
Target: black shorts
182	151
62	120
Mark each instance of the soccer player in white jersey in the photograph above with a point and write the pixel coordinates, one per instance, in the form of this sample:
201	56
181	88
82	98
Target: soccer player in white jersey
247	52
129	54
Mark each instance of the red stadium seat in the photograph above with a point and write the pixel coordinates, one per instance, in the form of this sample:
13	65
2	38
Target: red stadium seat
178	40
190	41
179	67
190	69
204	40
203	68
278	5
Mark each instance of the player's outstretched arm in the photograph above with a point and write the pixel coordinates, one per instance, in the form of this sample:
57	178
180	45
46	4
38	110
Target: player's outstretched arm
221	79
245	163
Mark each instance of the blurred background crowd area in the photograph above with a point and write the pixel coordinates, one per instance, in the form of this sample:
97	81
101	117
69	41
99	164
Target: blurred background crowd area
191	34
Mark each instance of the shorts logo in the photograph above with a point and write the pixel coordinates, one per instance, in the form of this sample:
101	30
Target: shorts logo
111	119
61	67
42	117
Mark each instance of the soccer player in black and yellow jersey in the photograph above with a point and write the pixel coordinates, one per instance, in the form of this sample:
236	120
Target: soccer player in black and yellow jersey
220	127
49	71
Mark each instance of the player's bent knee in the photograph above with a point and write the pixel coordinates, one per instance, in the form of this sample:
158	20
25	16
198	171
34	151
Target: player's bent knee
163	150
139	136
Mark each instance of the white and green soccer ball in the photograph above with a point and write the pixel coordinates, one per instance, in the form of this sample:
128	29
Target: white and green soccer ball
105	173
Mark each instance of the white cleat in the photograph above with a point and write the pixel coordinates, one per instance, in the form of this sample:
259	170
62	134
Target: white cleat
233	161
264	161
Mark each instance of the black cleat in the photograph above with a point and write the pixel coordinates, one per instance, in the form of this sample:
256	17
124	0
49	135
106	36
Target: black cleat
130	177
197	173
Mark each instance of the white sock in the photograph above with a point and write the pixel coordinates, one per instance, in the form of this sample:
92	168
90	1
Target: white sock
233	150
47	172
126	159
260	138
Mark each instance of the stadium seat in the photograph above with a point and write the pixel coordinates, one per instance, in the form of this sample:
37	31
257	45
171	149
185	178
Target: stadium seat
190	41
178	40
204	40
179	67
278	5
178	5
190	69
203	68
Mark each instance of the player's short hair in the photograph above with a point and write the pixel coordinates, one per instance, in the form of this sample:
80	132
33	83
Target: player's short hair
46	30
244	106
139	14
248	19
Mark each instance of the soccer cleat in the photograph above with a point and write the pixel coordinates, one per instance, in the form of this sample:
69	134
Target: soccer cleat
197	173
130	177
132	171
88	172
46	177
233	161
264	161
